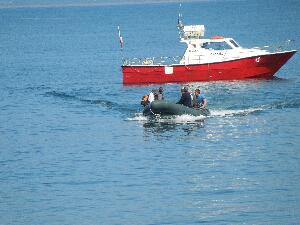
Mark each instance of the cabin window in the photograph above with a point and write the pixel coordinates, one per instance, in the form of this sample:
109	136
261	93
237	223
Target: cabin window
234	43
216	45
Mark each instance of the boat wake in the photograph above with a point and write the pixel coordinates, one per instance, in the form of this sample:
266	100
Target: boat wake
233	112
189	119
130	109
182	119
217	113
287	104
101	102
65	96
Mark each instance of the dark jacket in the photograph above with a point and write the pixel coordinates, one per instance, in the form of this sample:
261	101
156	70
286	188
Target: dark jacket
185	99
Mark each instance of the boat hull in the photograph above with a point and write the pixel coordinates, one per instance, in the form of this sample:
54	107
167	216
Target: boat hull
264	66
168	108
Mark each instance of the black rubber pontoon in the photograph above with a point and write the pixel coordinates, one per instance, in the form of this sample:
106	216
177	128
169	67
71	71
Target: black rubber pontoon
168	108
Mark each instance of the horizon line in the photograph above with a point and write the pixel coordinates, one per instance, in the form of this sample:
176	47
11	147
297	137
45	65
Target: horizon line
66	5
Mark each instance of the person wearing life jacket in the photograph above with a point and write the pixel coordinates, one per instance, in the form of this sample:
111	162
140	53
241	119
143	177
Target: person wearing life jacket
199	100
145	100
153	96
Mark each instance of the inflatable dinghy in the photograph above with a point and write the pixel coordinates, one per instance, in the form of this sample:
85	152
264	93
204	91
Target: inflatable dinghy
168	108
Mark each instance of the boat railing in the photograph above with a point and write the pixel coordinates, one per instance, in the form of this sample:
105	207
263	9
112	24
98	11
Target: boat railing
171	60
280	47
164	60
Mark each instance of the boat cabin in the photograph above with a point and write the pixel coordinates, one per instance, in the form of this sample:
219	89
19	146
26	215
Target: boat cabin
210	50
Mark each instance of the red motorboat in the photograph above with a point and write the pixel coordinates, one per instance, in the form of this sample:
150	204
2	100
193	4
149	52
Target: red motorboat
216	58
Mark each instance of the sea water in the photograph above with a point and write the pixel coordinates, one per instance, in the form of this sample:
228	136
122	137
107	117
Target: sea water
76	149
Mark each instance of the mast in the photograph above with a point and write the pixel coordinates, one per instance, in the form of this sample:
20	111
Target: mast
180	25
190	32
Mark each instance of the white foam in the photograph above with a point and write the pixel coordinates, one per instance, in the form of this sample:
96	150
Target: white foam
167	119
187	119
233	112
184	119
138	117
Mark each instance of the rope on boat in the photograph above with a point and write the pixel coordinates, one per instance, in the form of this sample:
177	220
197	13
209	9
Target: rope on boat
156	115
152	112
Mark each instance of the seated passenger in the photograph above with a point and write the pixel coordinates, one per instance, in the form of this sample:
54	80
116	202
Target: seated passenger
152	96
185	99
161	94
156	95
145	100
199	100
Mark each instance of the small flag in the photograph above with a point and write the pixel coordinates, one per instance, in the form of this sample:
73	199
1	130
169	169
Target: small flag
120	38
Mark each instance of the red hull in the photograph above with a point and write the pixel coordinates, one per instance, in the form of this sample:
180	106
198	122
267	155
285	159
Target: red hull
264	66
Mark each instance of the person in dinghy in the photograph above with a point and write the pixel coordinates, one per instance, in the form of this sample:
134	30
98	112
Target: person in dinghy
154	95
182	107
186	98
199	100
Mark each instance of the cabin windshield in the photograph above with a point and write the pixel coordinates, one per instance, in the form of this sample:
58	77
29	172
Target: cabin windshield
216	45
234	43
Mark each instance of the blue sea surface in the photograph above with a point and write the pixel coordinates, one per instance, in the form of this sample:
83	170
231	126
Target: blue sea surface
75	148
